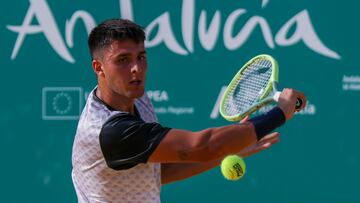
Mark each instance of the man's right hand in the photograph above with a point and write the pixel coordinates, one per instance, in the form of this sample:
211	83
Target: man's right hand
287	102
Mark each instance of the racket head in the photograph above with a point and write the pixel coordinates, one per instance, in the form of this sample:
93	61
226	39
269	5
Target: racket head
248	90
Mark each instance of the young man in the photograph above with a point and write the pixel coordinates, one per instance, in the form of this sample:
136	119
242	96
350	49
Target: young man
121	153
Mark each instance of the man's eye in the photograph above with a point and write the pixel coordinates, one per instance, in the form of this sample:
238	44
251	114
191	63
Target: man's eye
123	60
141	58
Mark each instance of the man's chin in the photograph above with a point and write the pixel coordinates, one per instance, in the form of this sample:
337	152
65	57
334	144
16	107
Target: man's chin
136	94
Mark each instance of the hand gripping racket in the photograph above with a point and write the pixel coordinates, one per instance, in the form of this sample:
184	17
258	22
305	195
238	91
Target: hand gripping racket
254	86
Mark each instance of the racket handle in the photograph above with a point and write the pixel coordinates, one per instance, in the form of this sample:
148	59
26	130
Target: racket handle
299	103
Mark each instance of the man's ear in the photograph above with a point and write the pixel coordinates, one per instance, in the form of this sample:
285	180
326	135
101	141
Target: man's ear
98	68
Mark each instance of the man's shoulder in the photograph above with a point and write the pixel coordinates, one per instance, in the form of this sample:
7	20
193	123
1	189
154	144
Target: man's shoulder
146	109
94	114
121	119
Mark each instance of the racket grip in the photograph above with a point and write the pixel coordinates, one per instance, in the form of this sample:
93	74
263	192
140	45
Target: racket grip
299	103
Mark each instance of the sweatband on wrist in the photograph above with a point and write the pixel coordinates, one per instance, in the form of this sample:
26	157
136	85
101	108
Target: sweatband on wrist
266	123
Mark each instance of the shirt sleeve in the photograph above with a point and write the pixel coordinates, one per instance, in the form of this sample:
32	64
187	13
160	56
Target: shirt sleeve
126	140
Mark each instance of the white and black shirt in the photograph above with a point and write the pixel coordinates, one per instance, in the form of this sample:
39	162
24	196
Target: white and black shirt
111	150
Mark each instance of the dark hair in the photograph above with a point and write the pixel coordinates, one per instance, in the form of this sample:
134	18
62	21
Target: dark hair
114	29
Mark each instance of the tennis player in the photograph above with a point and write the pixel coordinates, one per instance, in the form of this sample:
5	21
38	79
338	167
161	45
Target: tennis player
122	154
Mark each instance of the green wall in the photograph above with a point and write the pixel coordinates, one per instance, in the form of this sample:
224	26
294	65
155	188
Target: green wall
46	75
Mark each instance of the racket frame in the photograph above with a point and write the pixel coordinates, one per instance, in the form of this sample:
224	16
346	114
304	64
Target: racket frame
268	95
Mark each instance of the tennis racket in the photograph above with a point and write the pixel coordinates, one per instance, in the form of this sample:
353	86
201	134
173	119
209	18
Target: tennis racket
254	86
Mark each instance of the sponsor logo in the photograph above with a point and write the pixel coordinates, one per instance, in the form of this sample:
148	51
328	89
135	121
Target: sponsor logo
351	82
61	103
160	99
209	32
158	95
66	103
310	109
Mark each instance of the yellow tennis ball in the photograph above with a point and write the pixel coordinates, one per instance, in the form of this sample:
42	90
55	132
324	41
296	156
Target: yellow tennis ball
233	167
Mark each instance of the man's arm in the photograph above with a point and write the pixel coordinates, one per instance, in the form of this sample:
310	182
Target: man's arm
203	146
171	172
215	143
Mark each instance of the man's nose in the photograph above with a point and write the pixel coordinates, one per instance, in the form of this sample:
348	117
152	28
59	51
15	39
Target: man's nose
136	68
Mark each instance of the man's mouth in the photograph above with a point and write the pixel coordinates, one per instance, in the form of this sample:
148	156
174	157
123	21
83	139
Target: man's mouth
136	82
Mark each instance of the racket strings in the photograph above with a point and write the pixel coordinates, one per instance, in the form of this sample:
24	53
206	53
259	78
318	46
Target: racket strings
248	88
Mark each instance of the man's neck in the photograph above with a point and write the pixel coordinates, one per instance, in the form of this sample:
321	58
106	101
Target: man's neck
116	101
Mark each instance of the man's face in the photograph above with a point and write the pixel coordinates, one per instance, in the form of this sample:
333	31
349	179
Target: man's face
124	67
